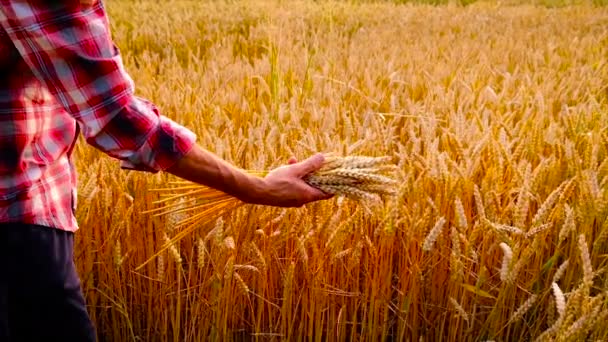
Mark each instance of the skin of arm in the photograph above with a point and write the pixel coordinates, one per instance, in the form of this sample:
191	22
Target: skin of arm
283	187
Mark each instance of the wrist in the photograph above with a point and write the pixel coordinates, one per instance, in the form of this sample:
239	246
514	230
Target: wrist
255	191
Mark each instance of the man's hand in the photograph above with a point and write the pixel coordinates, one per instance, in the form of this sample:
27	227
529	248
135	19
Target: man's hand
285	187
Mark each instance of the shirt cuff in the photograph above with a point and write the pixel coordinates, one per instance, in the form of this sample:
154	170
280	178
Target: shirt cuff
165	146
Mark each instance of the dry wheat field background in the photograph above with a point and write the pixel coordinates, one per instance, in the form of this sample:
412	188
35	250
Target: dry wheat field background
495	114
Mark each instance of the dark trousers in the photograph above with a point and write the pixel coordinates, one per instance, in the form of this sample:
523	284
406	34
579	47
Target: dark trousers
40	294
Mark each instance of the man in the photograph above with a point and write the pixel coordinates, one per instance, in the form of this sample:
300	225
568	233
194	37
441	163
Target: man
61	74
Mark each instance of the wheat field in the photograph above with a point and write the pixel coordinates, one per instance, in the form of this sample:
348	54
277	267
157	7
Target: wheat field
495	113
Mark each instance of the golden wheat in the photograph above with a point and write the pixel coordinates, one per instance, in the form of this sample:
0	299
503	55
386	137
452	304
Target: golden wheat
494	114
521	311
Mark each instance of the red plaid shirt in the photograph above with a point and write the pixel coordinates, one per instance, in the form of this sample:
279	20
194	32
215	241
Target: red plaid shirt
61	73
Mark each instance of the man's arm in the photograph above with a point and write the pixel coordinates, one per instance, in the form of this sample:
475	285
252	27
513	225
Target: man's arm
69	49
282	187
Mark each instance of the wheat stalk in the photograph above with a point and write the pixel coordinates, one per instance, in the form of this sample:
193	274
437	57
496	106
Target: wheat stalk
560	271
560	300
521	311
586	261
357	177
506	261
459	309
429	241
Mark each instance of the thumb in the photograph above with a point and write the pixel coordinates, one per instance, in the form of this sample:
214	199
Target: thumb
309	165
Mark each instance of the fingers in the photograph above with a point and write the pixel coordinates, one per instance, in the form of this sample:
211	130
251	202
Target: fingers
292	161
317	194
320	195
309	165
327	196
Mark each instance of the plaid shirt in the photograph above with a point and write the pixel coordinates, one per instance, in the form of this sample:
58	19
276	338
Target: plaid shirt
61	73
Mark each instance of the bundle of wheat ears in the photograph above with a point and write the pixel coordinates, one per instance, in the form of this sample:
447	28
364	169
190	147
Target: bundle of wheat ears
361	178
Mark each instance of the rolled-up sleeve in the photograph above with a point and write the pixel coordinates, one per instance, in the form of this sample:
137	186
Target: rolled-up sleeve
70	50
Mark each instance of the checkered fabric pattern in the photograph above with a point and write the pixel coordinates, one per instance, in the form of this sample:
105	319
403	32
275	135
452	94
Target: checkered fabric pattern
61	74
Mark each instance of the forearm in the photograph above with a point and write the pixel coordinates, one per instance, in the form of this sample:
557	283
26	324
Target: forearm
203	167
